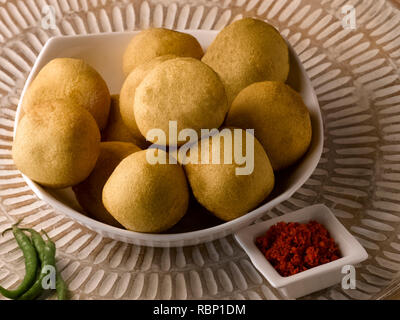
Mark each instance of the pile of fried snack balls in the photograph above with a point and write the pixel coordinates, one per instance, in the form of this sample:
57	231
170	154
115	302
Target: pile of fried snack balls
73	134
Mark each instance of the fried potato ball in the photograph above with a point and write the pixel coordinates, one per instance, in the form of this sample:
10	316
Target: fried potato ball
56	144
116	129
74	81
279	117
155	42
127	95
184	90
89	192
146	197
248	51
217	185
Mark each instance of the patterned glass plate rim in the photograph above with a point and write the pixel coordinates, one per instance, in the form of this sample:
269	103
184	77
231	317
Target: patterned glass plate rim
356	76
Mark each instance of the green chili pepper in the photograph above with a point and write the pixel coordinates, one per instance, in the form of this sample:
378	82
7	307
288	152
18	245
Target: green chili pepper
48	260
61	286
46	251
38	243
62	289
31	264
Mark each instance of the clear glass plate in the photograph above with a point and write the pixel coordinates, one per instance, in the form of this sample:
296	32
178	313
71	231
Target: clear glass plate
355	73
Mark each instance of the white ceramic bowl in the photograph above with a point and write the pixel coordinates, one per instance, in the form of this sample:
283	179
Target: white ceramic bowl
104	53
311	280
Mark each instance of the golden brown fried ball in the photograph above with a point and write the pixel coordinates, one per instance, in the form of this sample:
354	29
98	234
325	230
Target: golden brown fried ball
279	117
127	95
248	51
146	197
56	144
184	90
89	192
155	42
218	186
74	81
116	129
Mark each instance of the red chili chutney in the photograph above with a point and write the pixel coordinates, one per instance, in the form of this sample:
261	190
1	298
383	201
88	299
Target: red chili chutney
293	247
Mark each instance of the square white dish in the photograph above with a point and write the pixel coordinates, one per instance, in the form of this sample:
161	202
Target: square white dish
314	279
104	53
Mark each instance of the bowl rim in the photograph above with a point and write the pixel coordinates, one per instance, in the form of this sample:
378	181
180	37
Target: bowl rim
246	236
172	239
